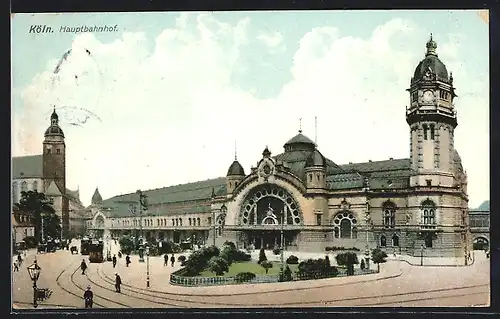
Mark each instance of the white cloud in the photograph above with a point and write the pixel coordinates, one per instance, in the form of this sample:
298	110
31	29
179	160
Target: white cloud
170	114
273	41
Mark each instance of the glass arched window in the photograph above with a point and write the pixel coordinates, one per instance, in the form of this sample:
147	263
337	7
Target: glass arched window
15	197
389	210
35	186
428	212
345	225
180	221
24	186
383	241
173	222
189	221
199	221
395	240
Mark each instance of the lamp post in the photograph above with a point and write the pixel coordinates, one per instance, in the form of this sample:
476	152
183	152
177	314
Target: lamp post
34	272
421	255
282	257
147	266
222	216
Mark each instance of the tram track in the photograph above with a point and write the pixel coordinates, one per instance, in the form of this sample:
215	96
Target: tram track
407	296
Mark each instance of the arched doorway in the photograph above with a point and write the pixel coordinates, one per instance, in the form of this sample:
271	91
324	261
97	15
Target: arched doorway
263	210
480	243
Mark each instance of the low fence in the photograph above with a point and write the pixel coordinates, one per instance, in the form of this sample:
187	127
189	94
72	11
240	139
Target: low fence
178	278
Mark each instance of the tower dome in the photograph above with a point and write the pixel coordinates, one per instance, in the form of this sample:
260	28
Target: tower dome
431	65
299	142
54	129
236	169
96	198
315	159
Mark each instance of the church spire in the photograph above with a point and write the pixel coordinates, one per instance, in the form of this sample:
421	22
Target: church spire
431	47
235	152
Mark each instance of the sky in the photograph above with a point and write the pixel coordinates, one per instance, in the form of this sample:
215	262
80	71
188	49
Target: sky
167	98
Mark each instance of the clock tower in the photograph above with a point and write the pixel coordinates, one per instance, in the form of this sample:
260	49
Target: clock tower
432	119
54	155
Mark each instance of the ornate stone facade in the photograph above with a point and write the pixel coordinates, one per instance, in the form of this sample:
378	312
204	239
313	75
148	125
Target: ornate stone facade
400	205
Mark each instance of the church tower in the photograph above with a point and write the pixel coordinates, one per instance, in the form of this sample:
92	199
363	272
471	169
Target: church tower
54	155
432	119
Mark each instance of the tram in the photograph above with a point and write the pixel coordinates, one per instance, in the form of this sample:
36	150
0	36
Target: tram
96	249
84	245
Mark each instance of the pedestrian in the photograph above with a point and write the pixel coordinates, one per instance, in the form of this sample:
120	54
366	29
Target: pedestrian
118	282
119	254
88	296
127	260
19	259
83	267
172	260
166	260
114	261
16	267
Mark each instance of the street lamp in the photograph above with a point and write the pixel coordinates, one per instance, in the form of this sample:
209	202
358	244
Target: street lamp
422	255
282	257
34	272
147	266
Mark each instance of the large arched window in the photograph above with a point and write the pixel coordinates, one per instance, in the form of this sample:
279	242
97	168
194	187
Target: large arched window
35	186
428	212
15	197
270	204
345	225
395	240
389	211
383	241
24	186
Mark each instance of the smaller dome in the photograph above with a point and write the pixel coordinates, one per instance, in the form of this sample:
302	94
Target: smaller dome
96	198
54	115
266	152
431	63
236	169
315	159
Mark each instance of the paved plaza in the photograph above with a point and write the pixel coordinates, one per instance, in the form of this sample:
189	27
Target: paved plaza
399	283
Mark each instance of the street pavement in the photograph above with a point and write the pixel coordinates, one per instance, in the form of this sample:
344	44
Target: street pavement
397	284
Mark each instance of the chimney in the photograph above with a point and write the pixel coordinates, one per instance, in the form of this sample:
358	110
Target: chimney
391	159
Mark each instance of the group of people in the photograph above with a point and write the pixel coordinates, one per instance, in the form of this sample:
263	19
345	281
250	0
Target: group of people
18	262
172	260
88	295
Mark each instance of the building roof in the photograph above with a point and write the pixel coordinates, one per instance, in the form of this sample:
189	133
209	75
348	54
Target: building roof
30	166
178	194
431	62
236	169
96	198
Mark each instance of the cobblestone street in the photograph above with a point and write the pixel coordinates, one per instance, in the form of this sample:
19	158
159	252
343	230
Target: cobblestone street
397	284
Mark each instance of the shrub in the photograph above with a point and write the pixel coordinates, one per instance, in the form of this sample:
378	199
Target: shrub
218	265
292	260
244	276
287	274
181	258
348	259
230	244
262	256
315	269
227	253
362	265
340	248
327	261
276	251
378	257
266	265
127	245
199	259
239	255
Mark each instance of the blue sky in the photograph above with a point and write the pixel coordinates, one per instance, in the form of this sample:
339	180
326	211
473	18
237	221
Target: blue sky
228	75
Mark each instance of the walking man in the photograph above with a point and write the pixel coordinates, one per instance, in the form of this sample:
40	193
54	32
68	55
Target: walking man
172	260
166	260
127	260
83	267
16	267
88	296
114	261
118	282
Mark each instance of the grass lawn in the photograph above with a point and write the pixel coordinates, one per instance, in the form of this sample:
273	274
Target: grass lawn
253	267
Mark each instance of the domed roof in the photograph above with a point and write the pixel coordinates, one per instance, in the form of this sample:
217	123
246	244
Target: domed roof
236	169
431	63
54	115
96	198
54	131
315	159
299	142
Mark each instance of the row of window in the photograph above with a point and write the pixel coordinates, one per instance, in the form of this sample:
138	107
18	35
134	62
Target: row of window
58	151
479	221
147	222
24	188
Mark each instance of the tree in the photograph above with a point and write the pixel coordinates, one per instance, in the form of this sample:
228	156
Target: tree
218	265
126	245
36	205
348	259
262	256
379	257
266	265
362	265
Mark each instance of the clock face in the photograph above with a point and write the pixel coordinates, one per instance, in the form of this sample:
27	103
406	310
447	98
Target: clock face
428	96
